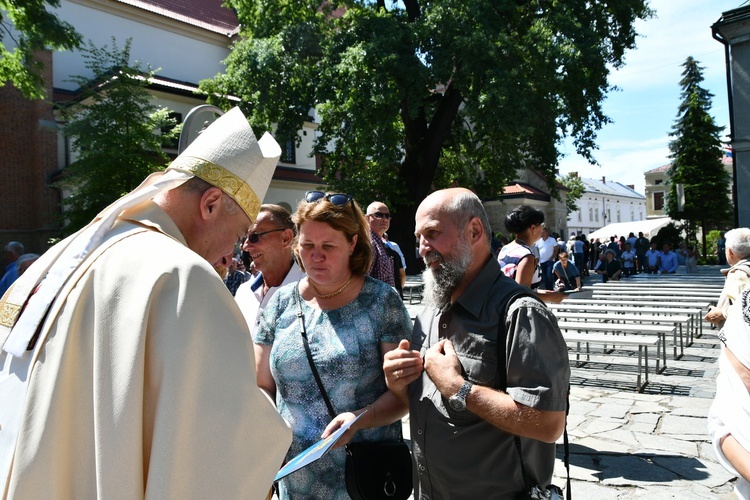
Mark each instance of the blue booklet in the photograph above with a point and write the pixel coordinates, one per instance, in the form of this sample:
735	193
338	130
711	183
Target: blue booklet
315	451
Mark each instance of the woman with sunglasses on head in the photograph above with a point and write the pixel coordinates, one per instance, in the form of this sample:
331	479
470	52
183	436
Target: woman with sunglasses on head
351	320
517	259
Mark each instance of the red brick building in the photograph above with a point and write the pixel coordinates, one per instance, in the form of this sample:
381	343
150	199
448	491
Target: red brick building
30	210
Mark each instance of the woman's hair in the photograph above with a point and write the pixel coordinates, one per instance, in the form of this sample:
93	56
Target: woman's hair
347	219
561	254
738	241
523	218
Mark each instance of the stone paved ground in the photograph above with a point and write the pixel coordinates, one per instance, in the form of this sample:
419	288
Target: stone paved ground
625	444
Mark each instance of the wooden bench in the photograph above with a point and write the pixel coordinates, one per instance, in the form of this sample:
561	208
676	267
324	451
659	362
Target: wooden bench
694	327
413	290
718	285
662	294
642	342
661	332
676	320
696	301
684	306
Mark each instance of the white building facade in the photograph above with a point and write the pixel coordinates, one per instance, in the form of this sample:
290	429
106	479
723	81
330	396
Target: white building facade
186	41
605	203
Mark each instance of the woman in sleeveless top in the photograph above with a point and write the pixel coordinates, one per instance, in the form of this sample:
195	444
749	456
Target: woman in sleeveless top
517	258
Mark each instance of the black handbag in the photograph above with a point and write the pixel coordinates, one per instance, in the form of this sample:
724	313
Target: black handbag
374	470
378	470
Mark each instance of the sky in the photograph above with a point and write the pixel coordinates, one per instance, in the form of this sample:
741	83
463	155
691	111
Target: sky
645	109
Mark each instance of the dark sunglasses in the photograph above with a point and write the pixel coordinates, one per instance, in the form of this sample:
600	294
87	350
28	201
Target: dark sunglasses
338	199
255	237
380	215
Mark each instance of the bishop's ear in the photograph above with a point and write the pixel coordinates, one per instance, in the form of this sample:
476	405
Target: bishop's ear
211	202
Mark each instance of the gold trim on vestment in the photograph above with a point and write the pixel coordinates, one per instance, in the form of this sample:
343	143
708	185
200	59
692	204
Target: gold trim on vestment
9	314
218	176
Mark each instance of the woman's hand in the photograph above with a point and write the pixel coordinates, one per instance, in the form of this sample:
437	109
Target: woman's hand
552	296
401	367
714	315
337	423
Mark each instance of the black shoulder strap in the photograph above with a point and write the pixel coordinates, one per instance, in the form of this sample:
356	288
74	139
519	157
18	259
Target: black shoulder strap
503	379
301	319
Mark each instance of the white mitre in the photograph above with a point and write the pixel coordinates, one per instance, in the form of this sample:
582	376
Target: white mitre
226	155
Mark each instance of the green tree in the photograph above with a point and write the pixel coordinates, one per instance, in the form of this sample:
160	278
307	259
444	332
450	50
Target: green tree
114	129
419	95
30	27
696	153
575	191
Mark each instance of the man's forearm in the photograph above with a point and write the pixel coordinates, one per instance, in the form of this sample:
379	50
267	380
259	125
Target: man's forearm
500	410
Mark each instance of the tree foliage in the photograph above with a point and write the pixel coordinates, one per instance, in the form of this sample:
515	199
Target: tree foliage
576	189
418	95
116	134
696	154
30	27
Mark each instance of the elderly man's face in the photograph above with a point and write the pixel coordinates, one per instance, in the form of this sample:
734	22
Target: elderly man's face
446	253
269	252
379	218
220	239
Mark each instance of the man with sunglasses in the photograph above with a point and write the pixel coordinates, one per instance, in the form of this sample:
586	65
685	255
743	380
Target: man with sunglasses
379	218
269	242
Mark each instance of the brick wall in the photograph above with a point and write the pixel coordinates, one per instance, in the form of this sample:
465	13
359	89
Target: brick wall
29	207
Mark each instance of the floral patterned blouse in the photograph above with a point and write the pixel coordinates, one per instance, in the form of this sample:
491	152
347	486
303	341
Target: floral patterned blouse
345	345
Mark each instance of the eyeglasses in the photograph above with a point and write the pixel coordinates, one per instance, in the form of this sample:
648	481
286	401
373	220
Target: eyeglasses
255	237
380	215
338	199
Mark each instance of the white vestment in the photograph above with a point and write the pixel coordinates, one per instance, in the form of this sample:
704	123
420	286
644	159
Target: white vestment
142	383
252	302
730	411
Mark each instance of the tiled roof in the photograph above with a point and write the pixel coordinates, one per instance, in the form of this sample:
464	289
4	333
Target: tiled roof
611	188
656	170
523	190
207	14
725	160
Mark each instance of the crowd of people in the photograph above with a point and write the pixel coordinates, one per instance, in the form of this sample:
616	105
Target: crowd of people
142	356
130	369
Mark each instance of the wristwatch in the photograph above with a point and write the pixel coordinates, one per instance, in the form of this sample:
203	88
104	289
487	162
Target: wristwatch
458	400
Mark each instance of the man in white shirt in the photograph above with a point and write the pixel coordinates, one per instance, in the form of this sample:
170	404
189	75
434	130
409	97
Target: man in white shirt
548	250
628	260
269	242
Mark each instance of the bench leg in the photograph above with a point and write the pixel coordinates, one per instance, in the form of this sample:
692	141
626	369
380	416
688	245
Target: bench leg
638	385
663	354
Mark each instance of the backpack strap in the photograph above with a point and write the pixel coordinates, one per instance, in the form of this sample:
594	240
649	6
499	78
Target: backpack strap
502	338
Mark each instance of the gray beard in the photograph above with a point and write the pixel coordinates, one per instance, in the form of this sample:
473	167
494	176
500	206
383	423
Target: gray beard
439	282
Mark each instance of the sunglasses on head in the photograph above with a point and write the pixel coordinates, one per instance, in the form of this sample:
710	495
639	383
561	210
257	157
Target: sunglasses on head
255	237
338	199
380	215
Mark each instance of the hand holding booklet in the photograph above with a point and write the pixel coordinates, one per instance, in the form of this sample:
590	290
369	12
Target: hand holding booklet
315	451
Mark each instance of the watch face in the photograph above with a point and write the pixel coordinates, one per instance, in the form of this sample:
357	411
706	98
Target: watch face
457	403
